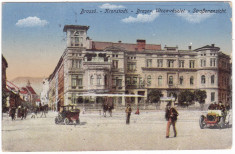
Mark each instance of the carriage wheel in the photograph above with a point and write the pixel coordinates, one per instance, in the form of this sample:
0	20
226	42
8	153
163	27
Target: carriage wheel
78	121
66	121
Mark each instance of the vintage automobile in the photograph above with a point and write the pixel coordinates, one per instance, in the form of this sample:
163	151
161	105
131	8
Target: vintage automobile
214	118
69	114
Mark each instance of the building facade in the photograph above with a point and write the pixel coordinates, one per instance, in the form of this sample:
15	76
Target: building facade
88	66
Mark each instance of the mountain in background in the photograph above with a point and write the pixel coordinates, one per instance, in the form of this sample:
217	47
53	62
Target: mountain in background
36	83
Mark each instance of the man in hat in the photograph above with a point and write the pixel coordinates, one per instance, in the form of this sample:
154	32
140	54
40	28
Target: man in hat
171	117
128	113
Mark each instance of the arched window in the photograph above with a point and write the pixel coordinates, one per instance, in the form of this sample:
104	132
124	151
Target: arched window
160	80
212	79
191	80
105	80
181	80
203	79
149	80
91	80
98	79
170	82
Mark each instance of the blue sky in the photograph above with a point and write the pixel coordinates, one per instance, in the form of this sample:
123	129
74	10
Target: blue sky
32	33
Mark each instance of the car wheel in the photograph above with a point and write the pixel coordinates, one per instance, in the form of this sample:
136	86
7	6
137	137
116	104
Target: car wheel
78	121
66	121
201	122
221	122
56	120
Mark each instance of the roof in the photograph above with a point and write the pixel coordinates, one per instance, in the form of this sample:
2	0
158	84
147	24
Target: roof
11	87
4	60
127	46
208	47
66	27
31	90
38	100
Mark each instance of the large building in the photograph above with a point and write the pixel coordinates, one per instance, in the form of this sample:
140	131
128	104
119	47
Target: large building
88	66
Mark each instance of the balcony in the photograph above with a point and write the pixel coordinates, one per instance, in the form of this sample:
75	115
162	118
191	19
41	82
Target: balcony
117	87
76	87
135	86
173	86
76	70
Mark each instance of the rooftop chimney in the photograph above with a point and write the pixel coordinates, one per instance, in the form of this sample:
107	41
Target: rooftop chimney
190	47
213	45
141	44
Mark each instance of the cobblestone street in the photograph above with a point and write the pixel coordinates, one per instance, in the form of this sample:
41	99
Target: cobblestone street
97	133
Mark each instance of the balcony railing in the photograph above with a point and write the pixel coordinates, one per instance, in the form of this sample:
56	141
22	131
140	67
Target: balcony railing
135	86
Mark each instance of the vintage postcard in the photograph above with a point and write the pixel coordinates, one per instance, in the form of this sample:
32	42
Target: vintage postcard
116	76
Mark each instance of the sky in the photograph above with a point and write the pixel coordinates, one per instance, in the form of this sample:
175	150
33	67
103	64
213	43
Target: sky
33	39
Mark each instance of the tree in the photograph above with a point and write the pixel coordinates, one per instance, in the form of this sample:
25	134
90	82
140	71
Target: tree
154	96
80	99
200	96
185	98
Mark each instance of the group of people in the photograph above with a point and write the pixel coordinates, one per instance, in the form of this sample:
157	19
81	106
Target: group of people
171	115
20	111
219	106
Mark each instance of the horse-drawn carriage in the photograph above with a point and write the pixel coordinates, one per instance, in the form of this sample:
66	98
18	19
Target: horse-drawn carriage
69	114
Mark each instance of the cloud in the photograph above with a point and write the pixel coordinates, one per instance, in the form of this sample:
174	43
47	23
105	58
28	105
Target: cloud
142	17
195	17
31	22
111	6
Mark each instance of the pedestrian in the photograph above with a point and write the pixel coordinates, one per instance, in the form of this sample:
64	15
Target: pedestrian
12	113
128	113
171	117
137	111
25	112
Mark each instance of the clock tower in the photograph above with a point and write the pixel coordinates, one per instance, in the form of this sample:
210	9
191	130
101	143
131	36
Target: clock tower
76	35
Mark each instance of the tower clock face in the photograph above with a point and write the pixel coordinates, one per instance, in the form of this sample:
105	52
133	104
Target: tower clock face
76	33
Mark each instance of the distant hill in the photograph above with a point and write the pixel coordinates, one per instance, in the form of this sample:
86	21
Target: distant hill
36	82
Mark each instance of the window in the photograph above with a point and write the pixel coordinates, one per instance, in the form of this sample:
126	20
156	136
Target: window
191	64
128	80
212	96
191	80
170	82
76	38
80	80
160	81
105	80
160	63
181	80
149	80
115	63
181	63
98	79
74	98
203	79
91	80
212	62
212	79
74	81
118	82
134	81
141	81
76	63
149	62
170	63
203	62
131	66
